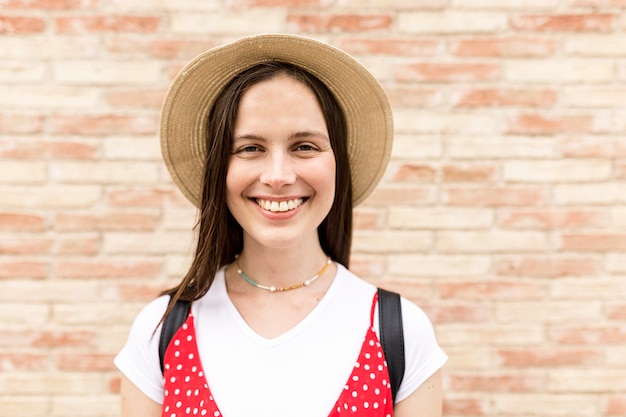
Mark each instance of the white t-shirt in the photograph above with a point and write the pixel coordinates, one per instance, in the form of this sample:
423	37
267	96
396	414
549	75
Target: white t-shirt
300	372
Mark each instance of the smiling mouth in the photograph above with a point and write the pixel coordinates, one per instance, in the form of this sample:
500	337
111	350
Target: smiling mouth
279	206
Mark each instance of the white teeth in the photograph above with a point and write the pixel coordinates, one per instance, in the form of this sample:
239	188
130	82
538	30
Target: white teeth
279	206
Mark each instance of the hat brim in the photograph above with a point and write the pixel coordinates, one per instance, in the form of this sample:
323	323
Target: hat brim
191	96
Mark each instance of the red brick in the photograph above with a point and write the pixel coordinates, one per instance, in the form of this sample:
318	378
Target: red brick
504	382
103	124
367	267
385	196
600	335
368	220
110	268
505	47
20	222
78	246
564	23
465	406
554	218
22	361
549	357
584	147
136	98
391	46
416	291
468	173
509	196
415	173
20	123
490	290
105	222
616	312
615	406
158	48
23	269
109	23
115	385
457	71
50	4
146	198
595	242
529	123
86	362
492	97
339	22
63	338
139	292
48	150
21	25
26	246
547	267
443	313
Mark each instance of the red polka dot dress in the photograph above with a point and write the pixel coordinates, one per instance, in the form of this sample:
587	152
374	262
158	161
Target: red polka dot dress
367	393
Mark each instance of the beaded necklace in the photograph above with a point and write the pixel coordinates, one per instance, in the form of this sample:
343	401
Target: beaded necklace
279	289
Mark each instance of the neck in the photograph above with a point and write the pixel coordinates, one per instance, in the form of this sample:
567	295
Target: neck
281	267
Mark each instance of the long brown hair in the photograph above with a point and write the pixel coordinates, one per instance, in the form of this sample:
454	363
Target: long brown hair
220	237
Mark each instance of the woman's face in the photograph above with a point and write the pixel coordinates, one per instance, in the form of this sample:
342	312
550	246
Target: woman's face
281	174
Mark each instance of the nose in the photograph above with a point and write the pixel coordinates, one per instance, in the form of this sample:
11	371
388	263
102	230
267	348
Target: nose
278	170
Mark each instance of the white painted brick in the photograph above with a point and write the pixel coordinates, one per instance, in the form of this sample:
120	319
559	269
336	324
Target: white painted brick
439	218
414	147
85	406
590	289
251	22
451	22
610	97
559	71
438	265
501	147
98	313
168	5
47	97
616	356
489	335
392	241
50	197
59	383
147	243
30	316
107	72
492	241
545	405
105	172
21	71
616	263
47	291
557	171
48	47
505	4
595	45
601	193
23	172
132	148
180	219
553	312
587	380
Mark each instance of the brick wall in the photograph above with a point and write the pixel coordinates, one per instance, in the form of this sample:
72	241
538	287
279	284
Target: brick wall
502	211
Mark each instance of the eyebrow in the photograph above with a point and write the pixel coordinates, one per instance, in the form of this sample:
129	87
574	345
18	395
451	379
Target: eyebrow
297	135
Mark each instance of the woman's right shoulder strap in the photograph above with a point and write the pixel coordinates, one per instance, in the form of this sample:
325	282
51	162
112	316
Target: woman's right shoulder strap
171	323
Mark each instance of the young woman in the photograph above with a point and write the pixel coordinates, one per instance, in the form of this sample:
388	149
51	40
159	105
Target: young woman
275	138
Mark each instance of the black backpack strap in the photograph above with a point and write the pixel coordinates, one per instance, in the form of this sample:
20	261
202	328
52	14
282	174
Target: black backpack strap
392	336
172	322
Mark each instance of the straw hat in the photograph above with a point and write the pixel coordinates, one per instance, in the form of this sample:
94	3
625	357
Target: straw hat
191	96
